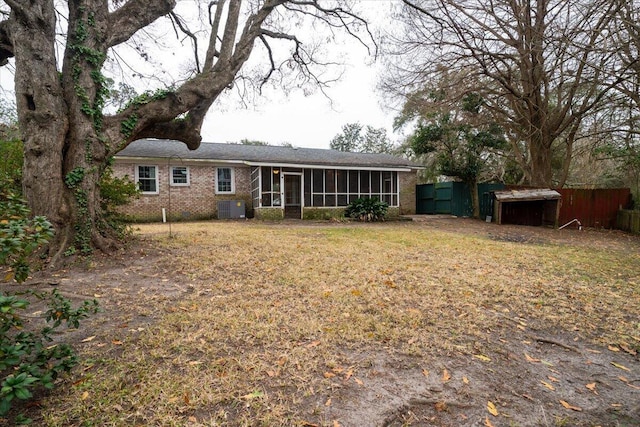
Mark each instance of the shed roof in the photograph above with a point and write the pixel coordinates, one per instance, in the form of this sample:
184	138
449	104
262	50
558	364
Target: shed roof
262	155
528	194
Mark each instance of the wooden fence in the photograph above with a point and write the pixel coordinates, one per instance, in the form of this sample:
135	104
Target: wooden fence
593	207
629	221
596	208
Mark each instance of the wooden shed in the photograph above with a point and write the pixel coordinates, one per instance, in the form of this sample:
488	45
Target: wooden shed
527	207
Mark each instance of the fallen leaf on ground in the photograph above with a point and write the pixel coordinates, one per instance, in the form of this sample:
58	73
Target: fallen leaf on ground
592	387
627	382
613	348
329	375
628	349
328	402
116	342
553	379
425	372
91	338
85	395
531	359
440	406
619	366
445	376
465	380
358	381
482	357
492	408
487	422
547	385
569	406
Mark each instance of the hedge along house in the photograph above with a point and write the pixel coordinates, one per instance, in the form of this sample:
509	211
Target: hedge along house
267	181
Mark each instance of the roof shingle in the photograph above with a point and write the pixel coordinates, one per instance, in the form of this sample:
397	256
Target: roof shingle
261	154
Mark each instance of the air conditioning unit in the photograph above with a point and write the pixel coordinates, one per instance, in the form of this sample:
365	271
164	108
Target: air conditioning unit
231	209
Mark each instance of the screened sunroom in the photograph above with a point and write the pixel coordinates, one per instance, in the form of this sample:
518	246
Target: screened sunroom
293	189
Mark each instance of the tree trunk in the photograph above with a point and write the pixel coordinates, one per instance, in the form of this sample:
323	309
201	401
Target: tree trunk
64	154
41	114
475	199
540	161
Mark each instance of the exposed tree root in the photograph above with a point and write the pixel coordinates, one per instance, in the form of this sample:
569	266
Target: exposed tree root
558	343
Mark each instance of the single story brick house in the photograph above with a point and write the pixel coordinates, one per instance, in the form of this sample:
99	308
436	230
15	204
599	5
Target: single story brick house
269	182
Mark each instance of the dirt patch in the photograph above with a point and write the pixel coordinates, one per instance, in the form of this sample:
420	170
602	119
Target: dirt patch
292	338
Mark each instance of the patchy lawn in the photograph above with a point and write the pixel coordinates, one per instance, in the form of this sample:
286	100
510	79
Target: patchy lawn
437	323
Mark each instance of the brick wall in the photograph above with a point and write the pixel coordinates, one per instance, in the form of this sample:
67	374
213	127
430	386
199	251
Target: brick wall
408	181
195	201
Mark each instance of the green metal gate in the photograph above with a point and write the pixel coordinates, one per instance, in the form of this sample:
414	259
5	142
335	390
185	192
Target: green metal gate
454	198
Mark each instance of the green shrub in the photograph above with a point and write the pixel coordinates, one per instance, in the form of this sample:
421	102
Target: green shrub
11	159
20	236
27	359
116	192
367	209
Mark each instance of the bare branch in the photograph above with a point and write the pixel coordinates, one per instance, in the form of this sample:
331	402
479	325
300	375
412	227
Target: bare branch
133	16
212	51
345	18
175	18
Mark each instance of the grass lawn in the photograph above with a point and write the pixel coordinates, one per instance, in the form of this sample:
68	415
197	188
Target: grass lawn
273	324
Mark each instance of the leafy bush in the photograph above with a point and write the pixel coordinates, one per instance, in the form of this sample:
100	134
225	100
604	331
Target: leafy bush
116	192
365	209
27	360
20	236
11	159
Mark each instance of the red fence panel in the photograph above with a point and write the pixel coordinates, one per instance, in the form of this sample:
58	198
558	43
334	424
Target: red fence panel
593	207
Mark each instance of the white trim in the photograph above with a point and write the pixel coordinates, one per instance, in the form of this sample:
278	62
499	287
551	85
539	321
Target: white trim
330	166
157	178
179	184
233	180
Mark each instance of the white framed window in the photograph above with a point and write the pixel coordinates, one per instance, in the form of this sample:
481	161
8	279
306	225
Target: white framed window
180	176
147	179
225	181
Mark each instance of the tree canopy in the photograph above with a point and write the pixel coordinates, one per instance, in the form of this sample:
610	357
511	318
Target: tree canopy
543	67
353	139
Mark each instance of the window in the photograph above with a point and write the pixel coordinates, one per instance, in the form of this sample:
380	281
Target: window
179	175
147	179
224	180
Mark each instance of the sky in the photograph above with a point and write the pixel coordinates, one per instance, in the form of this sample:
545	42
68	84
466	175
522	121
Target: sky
305	121
302	120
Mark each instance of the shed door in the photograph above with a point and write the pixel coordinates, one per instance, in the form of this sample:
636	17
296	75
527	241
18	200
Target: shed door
293	196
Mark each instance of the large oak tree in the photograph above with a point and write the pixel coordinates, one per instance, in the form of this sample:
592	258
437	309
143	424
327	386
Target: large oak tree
59	49
542	66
